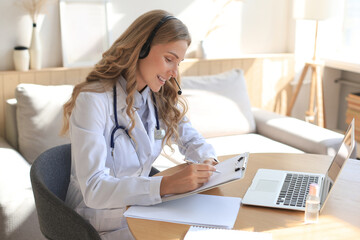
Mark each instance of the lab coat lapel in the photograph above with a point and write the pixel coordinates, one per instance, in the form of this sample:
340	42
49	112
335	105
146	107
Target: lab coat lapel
151	119
142	141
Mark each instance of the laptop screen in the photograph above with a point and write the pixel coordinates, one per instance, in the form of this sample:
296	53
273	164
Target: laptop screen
344	152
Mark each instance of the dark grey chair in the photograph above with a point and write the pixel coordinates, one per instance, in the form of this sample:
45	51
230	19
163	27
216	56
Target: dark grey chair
50	177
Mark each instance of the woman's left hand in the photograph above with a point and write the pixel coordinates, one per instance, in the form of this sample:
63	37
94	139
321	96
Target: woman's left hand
211	161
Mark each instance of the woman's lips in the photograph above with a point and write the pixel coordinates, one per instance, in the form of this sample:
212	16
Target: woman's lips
161	79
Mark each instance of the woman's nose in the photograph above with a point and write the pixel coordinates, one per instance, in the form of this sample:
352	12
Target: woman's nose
174	72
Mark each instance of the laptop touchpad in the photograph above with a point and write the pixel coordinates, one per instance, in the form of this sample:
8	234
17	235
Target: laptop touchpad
267	185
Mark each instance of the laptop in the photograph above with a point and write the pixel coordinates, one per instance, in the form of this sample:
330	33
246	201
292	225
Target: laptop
288	189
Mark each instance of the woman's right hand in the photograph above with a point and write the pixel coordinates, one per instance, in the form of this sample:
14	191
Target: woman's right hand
189	178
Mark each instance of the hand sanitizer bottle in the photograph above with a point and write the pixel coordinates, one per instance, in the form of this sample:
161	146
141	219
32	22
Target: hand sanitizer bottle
312	205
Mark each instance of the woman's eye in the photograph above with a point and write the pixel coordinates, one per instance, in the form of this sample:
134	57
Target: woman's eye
167	59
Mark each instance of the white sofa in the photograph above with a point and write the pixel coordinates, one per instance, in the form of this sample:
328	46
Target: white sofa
219	108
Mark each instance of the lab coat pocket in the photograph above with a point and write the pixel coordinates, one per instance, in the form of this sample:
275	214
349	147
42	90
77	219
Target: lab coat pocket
89	215
105	220
125	157
112	219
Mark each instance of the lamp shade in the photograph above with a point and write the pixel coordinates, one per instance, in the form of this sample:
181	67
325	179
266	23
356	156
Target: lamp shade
313	9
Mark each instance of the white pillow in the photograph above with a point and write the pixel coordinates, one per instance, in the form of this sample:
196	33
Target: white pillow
219	104
18	218
39	116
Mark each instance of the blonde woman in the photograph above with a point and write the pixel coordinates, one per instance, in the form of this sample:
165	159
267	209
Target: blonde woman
120	118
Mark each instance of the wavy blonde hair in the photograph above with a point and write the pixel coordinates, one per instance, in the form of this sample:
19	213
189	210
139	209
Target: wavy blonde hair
122	58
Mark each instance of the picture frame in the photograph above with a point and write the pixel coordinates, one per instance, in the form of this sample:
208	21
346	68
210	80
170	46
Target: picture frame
85	32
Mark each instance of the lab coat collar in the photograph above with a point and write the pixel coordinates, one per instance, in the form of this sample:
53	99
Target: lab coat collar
146	96
139	98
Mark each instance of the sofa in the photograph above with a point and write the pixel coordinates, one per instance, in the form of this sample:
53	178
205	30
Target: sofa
219	107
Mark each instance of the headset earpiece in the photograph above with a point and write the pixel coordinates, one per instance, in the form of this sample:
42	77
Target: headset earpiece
144	52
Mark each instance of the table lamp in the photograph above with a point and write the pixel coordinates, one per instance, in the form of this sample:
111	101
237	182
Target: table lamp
315	10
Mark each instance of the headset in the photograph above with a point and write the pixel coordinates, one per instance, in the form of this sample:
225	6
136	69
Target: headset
144	52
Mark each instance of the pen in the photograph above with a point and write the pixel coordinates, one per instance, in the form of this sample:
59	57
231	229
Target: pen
190	162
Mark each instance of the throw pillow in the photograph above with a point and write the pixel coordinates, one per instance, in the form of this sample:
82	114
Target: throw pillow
39	116
219	104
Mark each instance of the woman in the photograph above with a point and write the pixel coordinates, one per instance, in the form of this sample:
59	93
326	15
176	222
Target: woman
117	120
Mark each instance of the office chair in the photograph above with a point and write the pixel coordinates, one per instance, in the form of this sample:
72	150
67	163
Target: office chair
50	177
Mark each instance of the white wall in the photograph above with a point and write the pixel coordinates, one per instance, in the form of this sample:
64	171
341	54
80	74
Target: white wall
16	27
260	26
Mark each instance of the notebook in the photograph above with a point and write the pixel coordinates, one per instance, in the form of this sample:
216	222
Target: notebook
197	209
288	189
196	233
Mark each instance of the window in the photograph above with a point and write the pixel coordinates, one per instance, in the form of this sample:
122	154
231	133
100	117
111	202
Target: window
350	46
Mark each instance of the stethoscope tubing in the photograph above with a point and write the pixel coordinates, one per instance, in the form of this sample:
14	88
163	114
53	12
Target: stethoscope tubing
118	126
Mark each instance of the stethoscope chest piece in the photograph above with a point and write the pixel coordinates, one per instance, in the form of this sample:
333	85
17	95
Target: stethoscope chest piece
159	133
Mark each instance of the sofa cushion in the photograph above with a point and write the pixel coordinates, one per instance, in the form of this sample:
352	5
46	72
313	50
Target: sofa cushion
18	218
252	142
219	104
229	145
297	133
11	132
39	117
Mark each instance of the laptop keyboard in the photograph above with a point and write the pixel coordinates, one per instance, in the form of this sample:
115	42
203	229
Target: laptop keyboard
295	189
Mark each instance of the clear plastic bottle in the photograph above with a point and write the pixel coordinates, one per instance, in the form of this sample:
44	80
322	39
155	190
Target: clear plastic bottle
312	205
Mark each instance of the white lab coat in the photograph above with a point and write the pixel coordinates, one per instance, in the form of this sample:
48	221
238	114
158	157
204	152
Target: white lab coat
101	186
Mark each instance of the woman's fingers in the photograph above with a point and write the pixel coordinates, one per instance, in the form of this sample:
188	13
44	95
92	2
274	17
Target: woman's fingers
190	178
202	172
211	161
203	167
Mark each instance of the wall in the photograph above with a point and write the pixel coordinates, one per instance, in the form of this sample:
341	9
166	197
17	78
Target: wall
16	27
260	26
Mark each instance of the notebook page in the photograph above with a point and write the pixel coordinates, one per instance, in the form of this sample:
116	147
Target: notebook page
197	233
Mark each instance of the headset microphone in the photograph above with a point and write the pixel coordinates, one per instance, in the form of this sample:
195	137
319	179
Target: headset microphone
179	92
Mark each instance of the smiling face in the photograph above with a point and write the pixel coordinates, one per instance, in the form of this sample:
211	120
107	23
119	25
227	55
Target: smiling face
160	65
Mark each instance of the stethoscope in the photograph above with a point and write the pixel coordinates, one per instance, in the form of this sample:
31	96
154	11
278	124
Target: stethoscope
159	133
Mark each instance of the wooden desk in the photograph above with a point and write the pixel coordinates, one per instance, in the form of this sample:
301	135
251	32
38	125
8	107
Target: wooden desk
340	219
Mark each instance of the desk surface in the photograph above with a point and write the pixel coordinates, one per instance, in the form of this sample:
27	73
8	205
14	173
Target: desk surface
340	218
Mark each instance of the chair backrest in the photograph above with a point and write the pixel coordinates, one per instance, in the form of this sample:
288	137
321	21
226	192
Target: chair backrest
50	177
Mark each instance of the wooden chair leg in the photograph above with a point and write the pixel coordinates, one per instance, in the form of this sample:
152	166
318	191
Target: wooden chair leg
320	98
310	114
293	99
